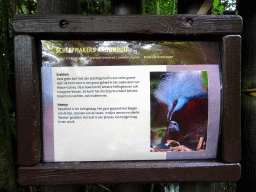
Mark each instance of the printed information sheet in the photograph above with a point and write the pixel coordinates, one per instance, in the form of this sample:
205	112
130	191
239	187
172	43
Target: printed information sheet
128	112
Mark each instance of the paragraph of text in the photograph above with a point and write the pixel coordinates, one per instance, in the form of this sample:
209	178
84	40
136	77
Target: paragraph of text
82	87
68	114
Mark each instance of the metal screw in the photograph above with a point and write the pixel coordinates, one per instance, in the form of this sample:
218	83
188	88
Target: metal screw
63	23
189	22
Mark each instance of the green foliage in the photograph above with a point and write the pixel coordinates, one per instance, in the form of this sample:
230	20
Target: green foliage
165	7
7	130
159	133
6	125
95	7
230	5
27	7
205	78
219	6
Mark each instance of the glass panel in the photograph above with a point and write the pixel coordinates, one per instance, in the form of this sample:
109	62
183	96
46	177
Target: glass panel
130	100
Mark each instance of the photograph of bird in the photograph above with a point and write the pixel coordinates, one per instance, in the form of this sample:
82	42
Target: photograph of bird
172	128
186	95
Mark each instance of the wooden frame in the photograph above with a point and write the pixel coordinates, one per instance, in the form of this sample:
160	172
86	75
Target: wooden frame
30	29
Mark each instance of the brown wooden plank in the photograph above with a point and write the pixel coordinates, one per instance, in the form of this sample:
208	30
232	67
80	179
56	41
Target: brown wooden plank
115	172
28	103
28	111
231	76
161	24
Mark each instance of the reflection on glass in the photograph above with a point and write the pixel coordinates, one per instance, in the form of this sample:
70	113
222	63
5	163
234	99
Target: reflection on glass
112	53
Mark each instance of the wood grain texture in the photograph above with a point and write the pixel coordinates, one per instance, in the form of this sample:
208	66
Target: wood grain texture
27	101
231	76
115	172
155	24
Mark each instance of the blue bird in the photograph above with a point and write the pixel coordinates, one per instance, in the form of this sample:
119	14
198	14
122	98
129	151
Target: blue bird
187	99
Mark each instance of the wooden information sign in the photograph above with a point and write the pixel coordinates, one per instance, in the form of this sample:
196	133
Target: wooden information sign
128	98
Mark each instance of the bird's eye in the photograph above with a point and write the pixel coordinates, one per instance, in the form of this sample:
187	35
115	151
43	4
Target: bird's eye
175	102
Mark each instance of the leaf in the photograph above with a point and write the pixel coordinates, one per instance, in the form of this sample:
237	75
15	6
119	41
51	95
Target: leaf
216	3
18	4
205	78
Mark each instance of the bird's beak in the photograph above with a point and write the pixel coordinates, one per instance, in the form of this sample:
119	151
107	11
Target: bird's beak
170	112
169	115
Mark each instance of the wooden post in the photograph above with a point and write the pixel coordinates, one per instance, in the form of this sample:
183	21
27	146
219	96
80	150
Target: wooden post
59	7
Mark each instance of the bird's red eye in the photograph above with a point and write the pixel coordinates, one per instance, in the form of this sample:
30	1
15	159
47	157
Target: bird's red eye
175	103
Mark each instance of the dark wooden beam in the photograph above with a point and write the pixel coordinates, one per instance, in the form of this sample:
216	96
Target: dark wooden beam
27	101
128	171
153	24
231	115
